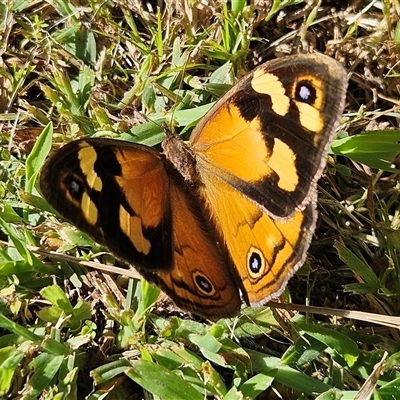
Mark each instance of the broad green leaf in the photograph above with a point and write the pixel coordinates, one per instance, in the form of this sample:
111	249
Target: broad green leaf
285	375
338	342
10	358
109	371
207	342
256	385
37	157
46	367
377	149
162	382
57	297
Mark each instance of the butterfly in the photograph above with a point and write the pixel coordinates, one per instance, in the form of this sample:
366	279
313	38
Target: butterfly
227	217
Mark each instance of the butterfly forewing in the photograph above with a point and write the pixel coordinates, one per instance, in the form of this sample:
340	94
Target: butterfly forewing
116	192
269	134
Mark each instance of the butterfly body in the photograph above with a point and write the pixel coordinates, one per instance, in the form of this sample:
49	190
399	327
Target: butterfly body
230	214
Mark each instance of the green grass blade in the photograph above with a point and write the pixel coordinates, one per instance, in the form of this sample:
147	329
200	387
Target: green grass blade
162	382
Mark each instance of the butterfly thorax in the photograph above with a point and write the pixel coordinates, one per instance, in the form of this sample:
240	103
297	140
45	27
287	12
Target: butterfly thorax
182	158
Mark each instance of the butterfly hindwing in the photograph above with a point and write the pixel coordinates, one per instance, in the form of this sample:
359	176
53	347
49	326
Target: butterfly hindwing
201	278
266	252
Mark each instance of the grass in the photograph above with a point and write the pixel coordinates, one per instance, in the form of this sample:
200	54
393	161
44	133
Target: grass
122	70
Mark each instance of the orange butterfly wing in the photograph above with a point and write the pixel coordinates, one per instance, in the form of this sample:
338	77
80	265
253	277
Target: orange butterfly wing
121	195
259	154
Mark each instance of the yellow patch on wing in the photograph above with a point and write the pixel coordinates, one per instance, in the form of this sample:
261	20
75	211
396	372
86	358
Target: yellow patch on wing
283	162
87	157
270	84
89	209
310	115
132	226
